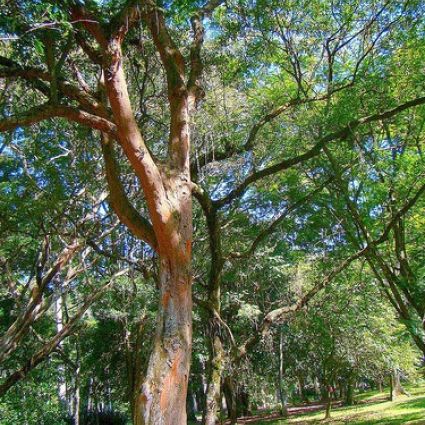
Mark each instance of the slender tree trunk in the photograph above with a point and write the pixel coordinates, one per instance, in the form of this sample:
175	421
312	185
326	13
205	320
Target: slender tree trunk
215	362
334	393
76	398
301	386
317	388
191	405
395	384
282	387
62	388
216	352
243	402
349	395
90	396
202	391
162	399
213	394
341	389
328	403
230	392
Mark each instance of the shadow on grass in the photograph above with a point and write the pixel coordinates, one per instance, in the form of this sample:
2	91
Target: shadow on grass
368	394
418	403
397	416
364	413
417	418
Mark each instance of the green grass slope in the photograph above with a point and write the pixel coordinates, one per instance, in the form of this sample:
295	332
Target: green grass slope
371	409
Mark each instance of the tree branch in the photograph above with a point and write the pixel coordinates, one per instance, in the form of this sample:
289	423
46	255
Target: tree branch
279	314
171	57
340	134
43	353
119	201
37	77
252	135
11	338
275	223
128	17
47	111
196	66
81	16
178	98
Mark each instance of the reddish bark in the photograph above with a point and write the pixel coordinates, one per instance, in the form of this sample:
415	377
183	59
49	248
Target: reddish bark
162	397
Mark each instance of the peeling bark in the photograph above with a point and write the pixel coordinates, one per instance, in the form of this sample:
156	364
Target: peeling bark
162	397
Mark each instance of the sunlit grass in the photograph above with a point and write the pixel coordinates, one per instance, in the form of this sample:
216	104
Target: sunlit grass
373	408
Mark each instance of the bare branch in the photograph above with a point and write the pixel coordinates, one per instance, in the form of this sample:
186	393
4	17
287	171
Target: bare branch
80	15
128	17
47	111
9	341
253	133
119	201
175	70
37	77
196	65
171	57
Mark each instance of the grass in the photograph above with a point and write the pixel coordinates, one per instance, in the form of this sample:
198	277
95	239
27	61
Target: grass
372	408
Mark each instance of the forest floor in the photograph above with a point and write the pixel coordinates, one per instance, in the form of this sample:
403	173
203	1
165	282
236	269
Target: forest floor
371	408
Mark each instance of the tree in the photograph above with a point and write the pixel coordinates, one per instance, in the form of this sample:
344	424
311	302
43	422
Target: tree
167	188
94	90
275	42
46	228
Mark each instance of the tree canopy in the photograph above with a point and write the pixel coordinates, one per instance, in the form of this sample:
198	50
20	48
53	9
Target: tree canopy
208	201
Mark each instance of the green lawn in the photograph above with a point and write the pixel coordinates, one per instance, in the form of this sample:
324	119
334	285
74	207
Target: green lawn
372	409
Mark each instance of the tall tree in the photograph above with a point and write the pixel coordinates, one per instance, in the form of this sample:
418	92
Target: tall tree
95	90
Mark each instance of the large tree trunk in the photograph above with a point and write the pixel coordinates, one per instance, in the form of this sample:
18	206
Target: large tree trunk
162	399
167	189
